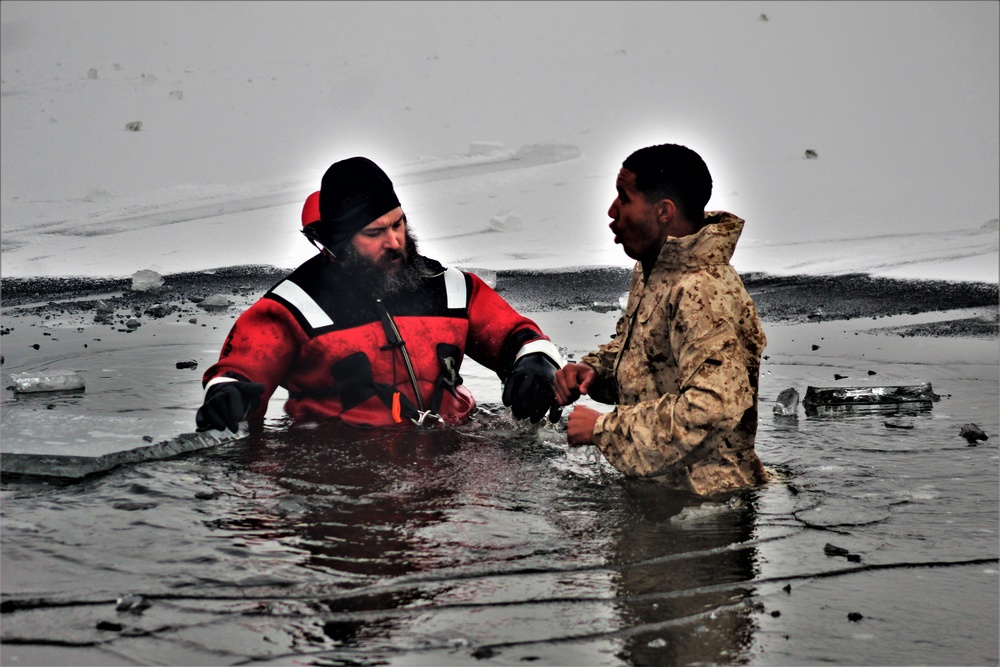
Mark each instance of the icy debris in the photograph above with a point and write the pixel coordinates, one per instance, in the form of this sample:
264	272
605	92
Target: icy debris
787	403
97	194
177	94
690	515
485	148
810	154
505	221
70	446
134	126
54	380
103	313
92	73
603	307
215	302
132	603
488	276
824	398
146	281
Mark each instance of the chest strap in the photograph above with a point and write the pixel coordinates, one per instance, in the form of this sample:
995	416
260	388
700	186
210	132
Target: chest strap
397	342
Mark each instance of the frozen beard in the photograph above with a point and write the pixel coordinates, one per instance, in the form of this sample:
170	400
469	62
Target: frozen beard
375	274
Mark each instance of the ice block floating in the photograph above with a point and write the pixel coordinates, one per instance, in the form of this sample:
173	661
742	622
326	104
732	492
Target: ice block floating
77	463
53	380
883	398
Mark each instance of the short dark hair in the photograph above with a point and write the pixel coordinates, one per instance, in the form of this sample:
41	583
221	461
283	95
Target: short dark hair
670	171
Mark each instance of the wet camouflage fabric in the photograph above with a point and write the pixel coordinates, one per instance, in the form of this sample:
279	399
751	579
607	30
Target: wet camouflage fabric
683	369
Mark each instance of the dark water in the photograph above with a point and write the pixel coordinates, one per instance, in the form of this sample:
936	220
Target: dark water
495	544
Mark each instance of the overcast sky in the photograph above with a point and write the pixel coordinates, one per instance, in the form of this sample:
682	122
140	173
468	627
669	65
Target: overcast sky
898	99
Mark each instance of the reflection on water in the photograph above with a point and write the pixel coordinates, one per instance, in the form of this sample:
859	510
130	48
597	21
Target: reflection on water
334	544
494	544
467	534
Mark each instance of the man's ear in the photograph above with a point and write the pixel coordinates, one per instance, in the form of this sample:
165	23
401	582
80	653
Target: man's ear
312	233
666	210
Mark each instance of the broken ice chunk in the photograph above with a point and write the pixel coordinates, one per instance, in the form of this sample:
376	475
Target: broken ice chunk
146	281
505	221
787	403
53	380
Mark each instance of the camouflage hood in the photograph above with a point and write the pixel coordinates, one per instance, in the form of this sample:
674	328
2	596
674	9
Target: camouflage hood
712	244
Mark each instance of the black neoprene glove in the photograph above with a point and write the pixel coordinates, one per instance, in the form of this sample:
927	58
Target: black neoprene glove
227	403
530	389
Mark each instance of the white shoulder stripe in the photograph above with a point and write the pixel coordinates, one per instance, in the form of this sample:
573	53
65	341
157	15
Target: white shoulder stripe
454	281
310	310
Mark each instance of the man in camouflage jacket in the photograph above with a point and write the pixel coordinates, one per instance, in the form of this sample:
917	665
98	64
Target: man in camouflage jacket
683	367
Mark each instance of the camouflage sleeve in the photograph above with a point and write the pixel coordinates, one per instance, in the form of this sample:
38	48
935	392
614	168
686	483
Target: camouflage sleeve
605	388
651	437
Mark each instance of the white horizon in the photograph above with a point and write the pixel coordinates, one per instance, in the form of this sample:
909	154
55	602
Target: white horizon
243	111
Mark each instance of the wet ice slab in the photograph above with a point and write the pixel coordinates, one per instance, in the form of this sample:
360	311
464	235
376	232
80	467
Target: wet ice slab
74	445
52	380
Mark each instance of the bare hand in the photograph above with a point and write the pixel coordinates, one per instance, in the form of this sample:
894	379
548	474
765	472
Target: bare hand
572	380
580	425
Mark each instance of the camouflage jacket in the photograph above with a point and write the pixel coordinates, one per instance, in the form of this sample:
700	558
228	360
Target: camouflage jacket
683	368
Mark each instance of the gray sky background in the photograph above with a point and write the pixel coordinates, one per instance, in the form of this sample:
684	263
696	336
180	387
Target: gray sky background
899	100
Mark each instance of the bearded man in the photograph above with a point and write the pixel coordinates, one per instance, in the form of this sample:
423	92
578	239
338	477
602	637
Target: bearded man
371	332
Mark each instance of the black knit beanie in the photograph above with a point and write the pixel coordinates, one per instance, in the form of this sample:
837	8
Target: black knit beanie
354	193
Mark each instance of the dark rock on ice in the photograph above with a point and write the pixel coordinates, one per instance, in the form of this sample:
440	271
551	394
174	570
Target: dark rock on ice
109	626
854	616
898	425
483	653
833	550
191	363
159	310
973	434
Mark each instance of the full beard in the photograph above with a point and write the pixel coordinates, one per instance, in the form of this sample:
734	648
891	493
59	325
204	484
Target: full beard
375	276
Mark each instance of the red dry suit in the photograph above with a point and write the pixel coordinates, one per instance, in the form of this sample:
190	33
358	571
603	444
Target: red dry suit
337	350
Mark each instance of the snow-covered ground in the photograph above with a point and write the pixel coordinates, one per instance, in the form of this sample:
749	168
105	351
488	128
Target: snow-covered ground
503	126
